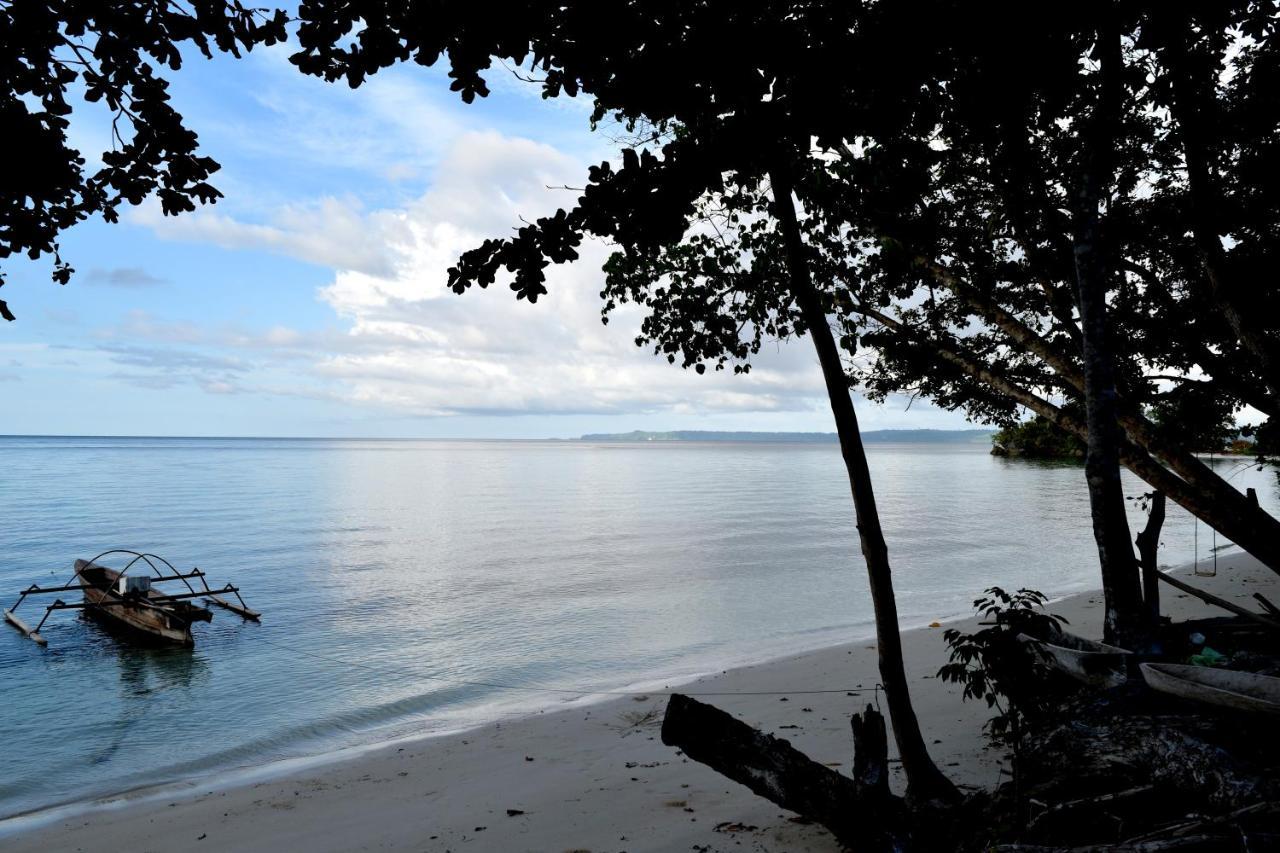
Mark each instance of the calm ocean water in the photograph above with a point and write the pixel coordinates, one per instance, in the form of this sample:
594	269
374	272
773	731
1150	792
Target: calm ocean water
417	569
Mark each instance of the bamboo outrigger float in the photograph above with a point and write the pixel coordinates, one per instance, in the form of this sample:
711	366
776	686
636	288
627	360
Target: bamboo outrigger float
131	601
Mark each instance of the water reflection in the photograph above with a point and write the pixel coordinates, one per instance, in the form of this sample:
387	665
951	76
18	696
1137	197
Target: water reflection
149	678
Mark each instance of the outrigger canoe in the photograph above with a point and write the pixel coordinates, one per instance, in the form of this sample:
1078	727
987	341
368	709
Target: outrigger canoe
137	607
1093	663
133	603
1243	691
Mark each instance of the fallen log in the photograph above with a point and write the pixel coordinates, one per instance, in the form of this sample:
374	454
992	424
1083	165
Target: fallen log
860	812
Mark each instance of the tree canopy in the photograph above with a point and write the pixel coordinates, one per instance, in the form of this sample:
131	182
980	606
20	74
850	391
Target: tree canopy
114	53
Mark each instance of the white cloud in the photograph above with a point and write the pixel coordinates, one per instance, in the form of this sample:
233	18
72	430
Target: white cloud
331	232
415	346
405	345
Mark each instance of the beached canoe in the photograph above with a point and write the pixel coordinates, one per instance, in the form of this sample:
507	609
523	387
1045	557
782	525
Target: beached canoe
1243	691
1090	662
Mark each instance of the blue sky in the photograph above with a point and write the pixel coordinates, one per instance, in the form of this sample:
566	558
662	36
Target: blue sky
310	301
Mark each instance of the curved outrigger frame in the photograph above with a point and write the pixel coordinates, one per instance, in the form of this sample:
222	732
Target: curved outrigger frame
151	600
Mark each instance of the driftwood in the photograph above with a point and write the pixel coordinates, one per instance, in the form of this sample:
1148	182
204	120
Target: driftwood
1244	829
1197	842
1267	605
870	758
1068	809
860	812
1138	749
1209	598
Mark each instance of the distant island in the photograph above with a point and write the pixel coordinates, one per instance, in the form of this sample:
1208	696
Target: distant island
878	436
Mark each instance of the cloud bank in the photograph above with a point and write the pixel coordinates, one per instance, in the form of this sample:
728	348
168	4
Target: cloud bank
405	343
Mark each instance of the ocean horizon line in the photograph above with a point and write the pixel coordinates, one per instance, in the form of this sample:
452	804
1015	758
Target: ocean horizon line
586	437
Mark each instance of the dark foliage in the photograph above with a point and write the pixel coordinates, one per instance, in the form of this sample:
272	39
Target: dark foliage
113	53
1037	438
995	667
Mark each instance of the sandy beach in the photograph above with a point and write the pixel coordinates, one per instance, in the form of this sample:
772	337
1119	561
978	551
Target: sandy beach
589	778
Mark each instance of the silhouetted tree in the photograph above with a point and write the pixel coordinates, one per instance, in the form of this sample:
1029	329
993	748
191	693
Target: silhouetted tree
52	53
1041	240
685	73
1002	217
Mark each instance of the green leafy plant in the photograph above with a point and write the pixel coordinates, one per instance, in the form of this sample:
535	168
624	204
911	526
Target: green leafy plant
994	666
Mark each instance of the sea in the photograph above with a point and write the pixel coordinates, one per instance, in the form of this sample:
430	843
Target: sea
419	587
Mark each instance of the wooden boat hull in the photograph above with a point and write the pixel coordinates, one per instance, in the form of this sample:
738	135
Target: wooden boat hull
1087	661
1241	691
144	621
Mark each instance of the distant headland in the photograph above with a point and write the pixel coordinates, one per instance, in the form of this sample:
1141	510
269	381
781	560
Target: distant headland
880	436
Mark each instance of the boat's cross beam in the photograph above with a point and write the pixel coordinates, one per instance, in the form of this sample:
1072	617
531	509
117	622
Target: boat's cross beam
161	599
72	587
157	603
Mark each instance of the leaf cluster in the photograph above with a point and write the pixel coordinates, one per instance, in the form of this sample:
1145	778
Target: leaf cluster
111	53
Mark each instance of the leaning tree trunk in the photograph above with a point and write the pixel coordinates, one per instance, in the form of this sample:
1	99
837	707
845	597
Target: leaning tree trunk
1240	520
924	780
1205	493
1124	618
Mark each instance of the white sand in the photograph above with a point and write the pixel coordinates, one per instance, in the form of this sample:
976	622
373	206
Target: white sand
583	778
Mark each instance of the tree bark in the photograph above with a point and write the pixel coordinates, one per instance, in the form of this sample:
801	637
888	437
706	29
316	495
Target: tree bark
1148	542
1123	622
924	780
870	758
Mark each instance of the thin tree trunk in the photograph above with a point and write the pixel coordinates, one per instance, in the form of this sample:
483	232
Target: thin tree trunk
1123	618
924	780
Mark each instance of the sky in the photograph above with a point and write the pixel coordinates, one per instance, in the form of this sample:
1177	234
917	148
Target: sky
311	299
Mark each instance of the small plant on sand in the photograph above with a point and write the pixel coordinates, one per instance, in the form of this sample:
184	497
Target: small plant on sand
631	721
993	665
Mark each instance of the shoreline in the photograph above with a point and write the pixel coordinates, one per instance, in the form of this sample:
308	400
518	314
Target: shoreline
171	785
582	775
